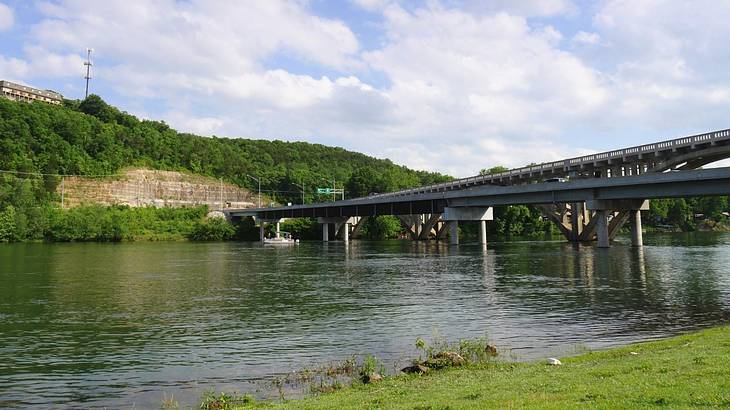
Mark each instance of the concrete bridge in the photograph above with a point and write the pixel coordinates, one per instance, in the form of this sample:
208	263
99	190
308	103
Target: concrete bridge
589	198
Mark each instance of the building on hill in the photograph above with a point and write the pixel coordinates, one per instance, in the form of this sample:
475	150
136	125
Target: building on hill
19	92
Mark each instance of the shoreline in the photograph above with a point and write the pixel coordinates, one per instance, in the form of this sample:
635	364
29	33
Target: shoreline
685	371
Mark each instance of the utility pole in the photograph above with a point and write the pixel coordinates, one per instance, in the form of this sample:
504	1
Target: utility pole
88	65
259	182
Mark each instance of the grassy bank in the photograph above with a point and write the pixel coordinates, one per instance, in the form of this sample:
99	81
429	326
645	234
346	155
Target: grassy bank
681	372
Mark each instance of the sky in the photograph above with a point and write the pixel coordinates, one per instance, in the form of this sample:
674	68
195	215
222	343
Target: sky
452	86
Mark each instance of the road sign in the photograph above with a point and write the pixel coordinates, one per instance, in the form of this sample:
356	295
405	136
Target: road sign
324	190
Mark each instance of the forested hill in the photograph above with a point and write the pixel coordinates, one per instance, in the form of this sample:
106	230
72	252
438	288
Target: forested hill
90	137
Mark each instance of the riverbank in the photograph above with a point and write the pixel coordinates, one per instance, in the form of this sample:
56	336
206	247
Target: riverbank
692	370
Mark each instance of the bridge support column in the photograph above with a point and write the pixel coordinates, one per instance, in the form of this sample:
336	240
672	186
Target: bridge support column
278	229
636	234
620	210
482	214
602	228
262	228
338	222
578	218
483	232
428	227
346	232
453	232
358	226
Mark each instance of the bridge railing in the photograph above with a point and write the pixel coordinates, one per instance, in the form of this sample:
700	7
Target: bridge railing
566	164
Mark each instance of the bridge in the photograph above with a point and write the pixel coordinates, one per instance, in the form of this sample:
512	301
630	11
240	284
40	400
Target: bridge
589	198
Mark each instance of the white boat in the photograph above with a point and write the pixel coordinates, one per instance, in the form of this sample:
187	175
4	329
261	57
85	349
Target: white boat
283	238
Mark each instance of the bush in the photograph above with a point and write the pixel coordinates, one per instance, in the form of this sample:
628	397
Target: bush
383	227
213	229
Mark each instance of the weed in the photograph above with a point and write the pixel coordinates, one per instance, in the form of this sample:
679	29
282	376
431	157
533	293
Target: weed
223	401
169	403
473	351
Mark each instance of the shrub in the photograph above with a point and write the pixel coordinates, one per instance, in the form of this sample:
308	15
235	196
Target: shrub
213	229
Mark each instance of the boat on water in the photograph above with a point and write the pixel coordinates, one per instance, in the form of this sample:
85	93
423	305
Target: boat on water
282	238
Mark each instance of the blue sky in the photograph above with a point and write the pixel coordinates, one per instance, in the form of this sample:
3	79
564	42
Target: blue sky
445	85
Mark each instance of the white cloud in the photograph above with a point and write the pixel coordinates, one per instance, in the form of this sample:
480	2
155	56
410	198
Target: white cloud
583	37
461	79
12	68
668	71
197	125
7	18
373	5
524	8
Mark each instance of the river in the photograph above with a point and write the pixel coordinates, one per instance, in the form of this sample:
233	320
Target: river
124	325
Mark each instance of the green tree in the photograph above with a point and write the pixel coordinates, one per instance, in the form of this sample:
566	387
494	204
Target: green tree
7	225
493	170
362	182
679	212
383	227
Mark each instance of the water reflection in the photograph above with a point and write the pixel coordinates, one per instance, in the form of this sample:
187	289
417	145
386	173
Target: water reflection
118	325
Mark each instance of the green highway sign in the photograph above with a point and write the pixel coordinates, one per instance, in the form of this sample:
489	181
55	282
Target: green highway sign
324	190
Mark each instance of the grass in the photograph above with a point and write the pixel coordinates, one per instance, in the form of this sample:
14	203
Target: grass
681	372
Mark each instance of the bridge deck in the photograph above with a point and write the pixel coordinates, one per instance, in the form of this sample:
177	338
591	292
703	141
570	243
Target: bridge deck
704	182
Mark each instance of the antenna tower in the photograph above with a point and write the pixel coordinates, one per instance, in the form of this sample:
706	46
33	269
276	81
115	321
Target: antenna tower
88	65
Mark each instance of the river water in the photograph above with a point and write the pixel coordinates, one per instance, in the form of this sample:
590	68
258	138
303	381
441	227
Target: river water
124	325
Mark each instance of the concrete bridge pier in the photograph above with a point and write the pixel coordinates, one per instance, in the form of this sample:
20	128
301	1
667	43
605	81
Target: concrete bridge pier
621	210
483	232
346	231
602	229
341	224
430	227
481	214
453	232
359	222
637	238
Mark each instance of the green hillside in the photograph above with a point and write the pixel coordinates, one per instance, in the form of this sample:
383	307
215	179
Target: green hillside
91	137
